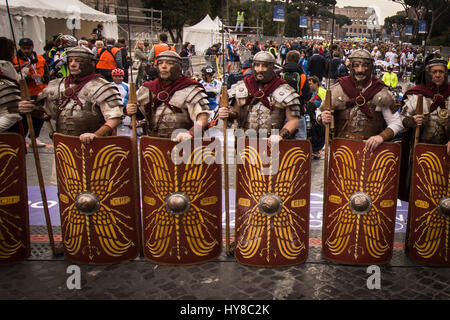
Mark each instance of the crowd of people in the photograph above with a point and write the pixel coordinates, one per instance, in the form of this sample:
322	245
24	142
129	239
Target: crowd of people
274	92
308	67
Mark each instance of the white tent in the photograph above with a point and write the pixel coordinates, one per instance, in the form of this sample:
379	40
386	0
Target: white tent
39	20
204	34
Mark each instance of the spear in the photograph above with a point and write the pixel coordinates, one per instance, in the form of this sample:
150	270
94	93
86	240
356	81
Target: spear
132	99
25	95
327	106
224	103
331	45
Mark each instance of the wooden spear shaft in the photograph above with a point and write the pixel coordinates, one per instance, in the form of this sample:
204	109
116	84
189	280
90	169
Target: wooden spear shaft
25	96
325	164
419	111
132	99
224	103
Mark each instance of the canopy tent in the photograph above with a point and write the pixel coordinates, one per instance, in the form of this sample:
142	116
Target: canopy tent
204	34
39	20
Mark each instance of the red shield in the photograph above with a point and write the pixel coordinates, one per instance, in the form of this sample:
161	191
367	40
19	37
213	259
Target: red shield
272	203
428	237
99	217
14	225
361	202
181	200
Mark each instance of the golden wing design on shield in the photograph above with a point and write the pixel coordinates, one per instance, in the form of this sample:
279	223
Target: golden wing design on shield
106	180
254	222
70	184
435	186
380	182
195	223
159	180
349	227
346	180
257	225
9	245
287	185
195	183
70	178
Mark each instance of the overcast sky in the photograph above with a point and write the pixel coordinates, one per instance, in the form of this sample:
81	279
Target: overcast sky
384	8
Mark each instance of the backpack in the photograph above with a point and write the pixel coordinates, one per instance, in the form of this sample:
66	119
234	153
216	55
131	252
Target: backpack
110	52
342	70
283	51
294	79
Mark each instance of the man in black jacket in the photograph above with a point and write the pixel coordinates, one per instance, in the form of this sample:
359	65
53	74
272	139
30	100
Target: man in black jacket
334	66
317	65
295	77
126	60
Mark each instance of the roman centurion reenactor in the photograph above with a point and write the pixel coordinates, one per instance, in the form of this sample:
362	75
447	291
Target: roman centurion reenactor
9	88
84	104
172	101
363	107
426	169
435	121
264	101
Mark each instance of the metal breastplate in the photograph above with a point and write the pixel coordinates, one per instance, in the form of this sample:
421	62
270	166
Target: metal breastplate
360	126
74	120
436	127
259	117
166	121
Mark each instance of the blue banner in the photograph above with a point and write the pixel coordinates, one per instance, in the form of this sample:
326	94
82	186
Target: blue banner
397	33
408	30
303	23
316	26
278	13
422	26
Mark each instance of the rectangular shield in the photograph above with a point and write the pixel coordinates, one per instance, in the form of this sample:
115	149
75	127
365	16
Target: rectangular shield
181	200
428	232
272	202
360	203
14	218
97	192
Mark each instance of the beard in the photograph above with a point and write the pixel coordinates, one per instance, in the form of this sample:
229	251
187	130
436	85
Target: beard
361	78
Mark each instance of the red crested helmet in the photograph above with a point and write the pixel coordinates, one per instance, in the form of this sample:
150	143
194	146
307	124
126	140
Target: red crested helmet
117	72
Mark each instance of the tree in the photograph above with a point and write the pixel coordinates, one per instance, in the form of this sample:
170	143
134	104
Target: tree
430	10
342	20
177	13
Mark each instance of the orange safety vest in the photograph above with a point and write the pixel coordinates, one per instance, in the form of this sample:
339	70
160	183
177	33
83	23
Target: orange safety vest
33	88
161	47
302	82
107	58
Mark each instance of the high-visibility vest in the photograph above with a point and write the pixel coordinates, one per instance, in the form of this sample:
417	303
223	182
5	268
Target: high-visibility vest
107	58
390	79
322	93
161	47
33	88
240	16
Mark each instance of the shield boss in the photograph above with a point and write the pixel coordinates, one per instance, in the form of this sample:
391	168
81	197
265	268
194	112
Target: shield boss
360	203
270	204
87	203
178	203
444	207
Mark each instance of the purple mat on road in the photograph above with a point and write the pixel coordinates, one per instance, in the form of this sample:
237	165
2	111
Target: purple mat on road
37	212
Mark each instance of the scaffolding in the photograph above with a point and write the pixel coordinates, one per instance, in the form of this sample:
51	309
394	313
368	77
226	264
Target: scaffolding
145	24
248	31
